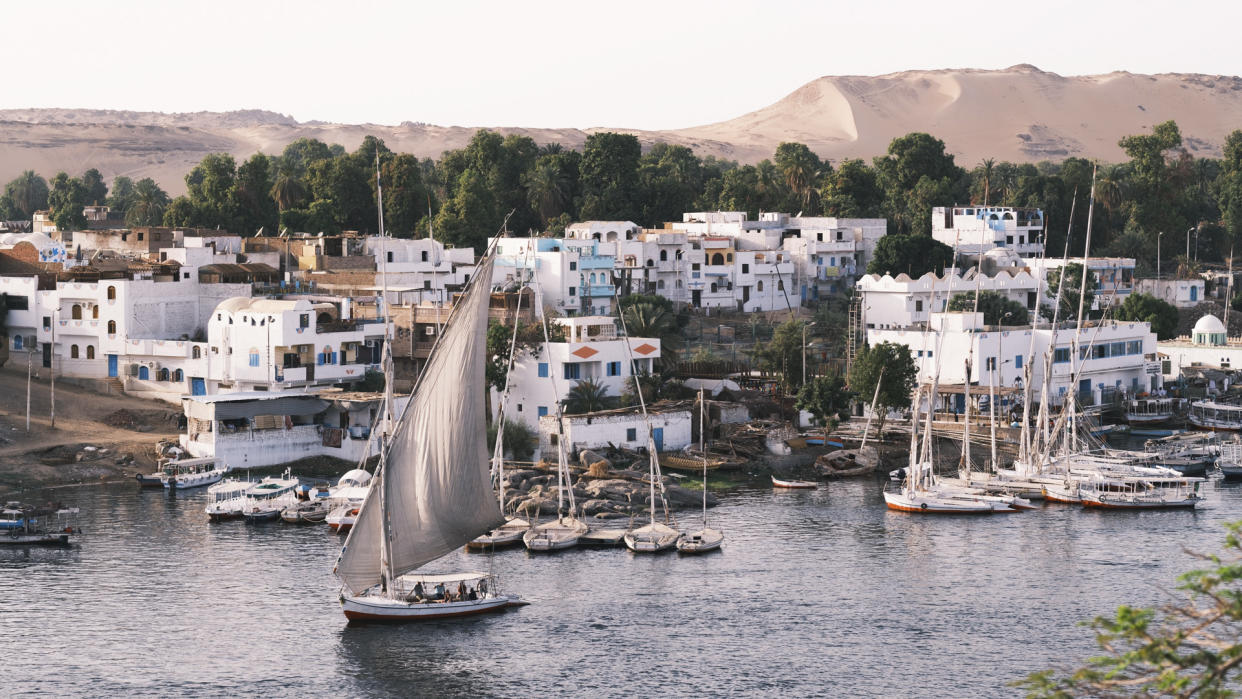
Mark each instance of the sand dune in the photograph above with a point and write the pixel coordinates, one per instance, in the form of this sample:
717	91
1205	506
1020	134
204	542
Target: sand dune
1020	114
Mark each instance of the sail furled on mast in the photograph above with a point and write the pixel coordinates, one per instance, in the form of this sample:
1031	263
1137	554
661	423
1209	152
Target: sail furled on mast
436	473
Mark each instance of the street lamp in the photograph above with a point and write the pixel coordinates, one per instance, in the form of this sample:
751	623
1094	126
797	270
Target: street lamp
1158	237
1188	230
804	327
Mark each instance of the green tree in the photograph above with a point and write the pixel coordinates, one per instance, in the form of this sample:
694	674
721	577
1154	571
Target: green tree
470	215
66	200
347	188
210	187
147	204
997	309
917	172
1153	205
519	440
1229	186
297	157
782	355
914	255
1185	648
587	396
288	192
551	184
800	168
252	201
95	189
827	398
609	177
1071	276
1160	315
407	199
892	367
122	196
180	212
670	180
27	193
852	191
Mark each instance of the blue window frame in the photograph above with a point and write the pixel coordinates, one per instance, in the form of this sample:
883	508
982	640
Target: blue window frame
1017	361
614	368
254	359
1061	355
543	370
572	371
543	410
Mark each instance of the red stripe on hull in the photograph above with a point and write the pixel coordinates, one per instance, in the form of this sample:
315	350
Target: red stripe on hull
936	511
363	616
1108	506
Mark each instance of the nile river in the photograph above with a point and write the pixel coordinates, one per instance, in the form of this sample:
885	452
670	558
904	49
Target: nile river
815	593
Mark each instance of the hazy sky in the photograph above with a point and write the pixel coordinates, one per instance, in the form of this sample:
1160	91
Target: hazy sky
636	63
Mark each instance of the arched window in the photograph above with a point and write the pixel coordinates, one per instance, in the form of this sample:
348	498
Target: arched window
197	352
718	259
664	255
95	312
161	375
1008	216
112	293
714	287
650	262
178	375
73	351
659	285
90	351
759	286
780	284
76	312
112	327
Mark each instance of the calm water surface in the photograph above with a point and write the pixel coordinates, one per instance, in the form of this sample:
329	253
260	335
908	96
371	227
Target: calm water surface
816	593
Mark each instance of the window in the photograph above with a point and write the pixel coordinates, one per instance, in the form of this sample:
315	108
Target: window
17	342
780	284
1017	361
930	353
17	303
631	434
542	410
664	255
918	306
196	352
573	266
543	370
304	320
95	312
76	312
90	351
161	375
519	407
185	275
1061	355
1099	352
990	364
112	293
73	352
254	357
1117	349
140	235
759	286
573	371
1134	347
614	368
426	285
112	327
178	375
573	291
47	322
745	268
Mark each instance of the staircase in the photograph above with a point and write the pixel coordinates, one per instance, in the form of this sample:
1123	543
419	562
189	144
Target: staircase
115	385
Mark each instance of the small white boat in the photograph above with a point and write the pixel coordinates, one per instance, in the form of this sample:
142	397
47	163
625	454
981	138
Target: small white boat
181	474
508	534
559	534
1153	411
1230	460
1131	493
652	538
306	512
702	541
1209	415
265	499
226	498
802	485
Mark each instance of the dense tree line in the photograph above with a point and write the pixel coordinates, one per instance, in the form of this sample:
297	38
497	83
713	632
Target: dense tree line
463	196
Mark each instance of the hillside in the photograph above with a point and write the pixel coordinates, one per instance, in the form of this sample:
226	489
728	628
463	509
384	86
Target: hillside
1020	114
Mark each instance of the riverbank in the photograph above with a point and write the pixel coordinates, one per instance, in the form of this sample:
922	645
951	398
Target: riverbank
97	437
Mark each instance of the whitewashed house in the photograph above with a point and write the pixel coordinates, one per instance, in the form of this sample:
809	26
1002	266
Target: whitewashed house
622	427
593	349
1182	293
975	230
1208	347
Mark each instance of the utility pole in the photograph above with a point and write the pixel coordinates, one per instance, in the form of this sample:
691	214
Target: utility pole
804	327
29	363
52	364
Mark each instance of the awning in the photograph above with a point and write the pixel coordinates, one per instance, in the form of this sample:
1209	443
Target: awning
233	410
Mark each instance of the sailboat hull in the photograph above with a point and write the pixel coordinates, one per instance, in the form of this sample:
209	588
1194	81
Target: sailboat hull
389	610
941	506
703	541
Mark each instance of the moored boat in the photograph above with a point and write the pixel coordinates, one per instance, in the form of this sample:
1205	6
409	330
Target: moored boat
508	534
654	537
226	498
793	484
264	501
182	474
1210	415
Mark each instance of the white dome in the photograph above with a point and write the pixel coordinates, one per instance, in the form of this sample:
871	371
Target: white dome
1209	324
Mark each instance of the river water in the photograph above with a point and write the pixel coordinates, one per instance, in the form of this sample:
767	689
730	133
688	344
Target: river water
815	593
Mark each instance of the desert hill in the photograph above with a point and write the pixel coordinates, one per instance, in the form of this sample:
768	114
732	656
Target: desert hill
1020	114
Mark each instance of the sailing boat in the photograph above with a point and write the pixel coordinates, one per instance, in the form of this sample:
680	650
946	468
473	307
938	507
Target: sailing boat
565	530
431	492
705	539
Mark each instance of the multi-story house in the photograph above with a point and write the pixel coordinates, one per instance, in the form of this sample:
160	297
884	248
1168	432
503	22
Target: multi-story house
974	230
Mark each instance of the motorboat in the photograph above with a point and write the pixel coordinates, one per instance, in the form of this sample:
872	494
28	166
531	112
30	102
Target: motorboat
226	498
265	499
306	512
149	480
23	525
1154	410
1139	493
182	474
794	484
346	498
1210	415
1230	460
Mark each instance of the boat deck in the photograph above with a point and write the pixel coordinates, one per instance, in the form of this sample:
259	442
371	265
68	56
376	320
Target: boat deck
602	537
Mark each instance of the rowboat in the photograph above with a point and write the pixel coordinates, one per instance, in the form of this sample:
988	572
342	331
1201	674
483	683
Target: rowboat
797	485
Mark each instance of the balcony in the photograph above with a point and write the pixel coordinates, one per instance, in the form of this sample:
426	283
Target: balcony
595	290
596	262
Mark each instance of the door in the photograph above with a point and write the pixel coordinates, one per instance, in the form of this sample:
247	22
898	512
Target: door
696	298
112	370
1084	392
1194	293
657	435
144	373
198	387
47	355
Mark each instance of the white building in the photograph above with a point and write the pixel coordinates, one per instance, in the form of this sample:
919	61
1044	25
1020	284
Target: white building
422	269
622	427
575	276
977	229
901	302
593	349
1182	293
1114	356
1208	347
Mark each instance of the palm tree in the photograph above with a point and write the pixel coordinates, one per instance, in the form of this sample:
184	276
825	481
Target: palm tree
288	191
1109	192
1187	268
586	396
650	320
28	193
767	184
147	204
548	187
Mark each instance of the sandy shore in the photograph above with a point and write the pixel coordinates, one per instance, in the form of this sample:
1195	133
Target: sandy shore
97	436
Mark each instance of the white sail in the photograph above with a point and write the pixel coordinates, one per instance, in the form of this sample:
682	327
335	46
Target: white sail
435	476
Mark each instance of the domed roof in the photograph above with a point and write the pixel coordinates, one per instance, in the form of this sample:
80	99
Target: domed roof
1209	324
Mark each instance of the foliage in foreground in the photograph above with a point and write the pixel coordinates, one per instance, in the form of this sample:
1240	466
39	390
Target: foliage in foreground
1187	648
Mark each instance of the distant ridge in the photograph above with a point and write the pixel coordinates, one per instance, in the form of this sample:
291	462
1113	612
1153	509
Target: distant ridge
1021	114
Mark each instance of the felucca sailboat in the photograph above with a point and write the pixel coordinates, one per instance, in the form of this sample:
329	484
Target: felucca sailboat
432	491
705	539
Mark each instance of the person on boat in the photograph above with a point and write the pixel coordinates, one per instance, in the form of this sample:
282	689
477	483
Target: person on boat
461	590
482	587
439	592
472	596
418	591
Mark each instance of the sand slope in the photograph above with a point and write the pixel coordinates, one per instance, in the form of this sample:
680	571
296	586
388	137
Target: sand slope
1020	114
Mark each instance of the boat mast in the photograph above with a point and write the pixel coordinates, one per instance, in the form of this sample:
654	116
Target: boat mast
562	467
703	450
498	453
1028	371
386	425
1082	297
964	468
1043	428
